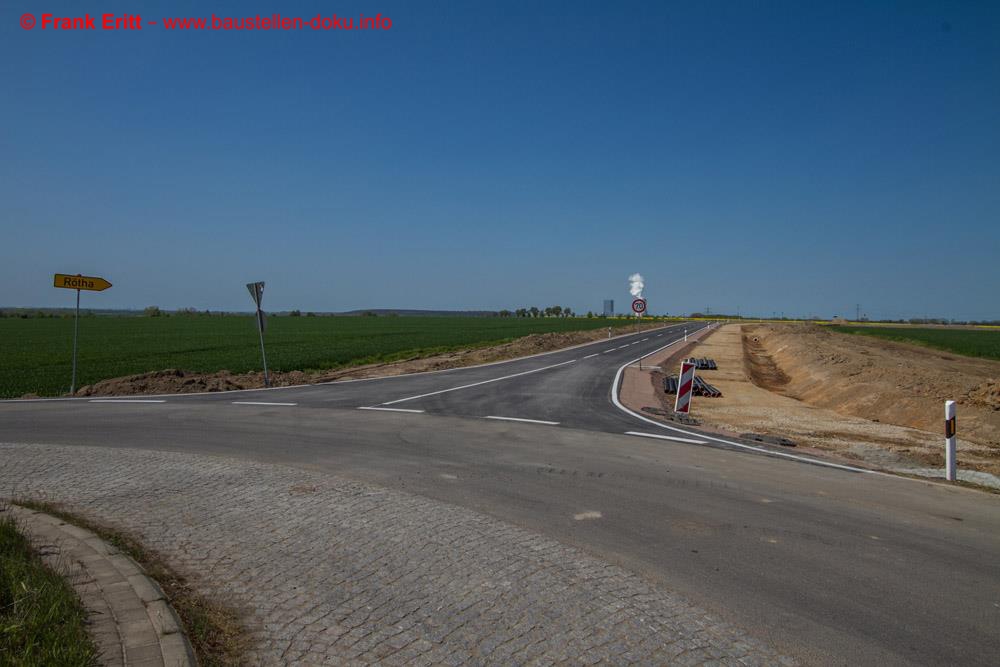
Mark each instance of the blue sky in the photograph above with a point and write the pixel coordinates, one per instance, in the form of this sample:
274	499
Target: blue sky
790	157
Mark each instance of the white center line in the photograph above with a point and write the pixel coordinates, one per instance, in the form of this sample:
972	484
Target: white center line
476	384
389	409
646	338
591	355
125	400
666	437
519	419
622	347
260	403
611	350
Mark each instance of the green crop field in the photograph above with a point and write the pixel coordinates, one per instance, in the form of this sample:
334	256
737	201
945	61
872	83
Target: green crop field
36	354
969	342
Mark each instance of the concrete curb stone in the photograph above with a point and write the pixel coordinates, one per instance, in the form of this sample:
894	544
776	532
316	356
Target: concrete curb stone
129	618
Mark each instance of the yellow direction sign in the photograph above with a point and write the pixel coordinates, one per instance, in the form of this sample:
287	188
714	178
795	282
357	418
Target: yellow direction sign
81	282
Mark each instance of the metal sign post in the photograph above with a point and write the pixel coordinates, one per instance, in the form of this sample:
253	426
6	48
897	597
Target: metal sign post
257	294
78	282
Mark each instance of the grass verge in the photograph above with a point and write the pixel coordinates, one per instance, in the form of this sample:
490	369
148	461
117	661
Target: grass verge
41	619
214	630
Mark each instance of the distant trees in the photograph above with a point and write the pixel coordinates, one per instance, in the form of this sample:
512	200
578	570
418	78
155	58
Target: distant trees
152	311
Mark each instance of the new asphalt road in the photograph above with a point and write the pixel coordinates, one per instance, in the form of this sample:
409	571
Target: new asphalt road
829	564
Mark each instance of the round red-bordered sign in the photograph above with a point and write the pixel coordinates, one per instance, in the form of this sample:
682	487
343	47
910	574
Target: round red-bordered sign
639	306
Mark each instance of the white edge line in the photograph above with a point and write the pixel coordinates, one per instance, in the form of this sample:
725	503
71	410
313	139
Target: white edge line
476	384
666	437
520	419
389	409
260	403
378	377
804	459
124	400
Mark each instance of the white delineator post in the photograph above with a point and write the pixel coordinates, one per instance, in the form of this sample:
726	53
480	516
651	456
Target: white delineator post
950	427
685	385
685	335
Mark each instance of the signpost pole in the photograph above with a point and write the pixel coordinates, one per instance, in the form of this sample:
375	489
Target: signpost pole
257	294
260	330
76	331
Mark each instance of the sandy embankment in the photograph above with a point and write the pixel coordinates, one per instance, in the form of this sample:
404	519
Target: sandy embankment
853	397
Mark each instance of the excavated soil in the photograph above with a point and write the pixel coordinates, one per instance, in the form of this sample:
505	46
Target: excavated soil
177	381
872	401
879	380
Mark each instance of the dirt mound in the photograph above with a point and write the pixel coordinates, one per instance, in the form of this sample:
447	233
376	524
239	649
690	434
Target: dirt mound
874	379
175	381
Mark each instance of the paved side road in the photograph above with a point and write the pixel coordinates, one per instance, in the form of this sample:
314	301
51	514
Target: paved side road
332	571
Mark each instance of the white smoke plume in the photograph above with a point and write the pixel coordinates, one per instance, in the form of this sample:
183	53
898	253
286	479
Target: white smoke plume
636	284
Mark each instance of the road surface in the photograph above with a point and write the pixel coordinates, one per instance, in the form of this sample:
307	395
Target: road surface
827	564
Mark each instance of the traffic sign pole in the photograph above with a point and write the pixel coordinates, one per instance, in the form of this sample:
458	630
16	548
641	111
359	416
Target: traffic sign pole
76	331
257	294
78	282
260	330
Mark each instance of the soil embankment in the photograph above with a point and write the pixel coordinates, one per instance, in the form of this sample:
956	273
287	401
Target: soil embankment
856	398
875	379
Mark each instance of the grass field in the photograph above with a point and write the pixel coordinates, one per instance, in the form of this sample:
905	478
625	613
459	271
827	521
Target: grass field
969	342
41	619
36	354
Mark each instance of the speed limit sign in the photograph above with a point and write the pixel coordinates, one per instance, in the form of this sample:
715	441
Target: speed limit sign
639	306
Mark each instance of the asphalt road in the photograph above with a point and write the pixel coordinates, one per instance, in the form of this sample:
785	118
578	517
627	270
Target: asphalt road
829	564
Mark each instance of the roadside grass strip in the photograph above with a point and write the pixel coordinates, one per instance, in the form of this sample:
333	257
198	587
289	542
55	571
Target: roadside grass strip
41	619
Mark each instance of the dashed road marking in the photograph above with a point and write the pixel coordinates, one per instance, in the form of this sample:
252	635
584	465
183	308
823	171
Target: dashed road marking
476	384
591	355
521	419
590	514
260	403
666	437
125	400
388	409
611	350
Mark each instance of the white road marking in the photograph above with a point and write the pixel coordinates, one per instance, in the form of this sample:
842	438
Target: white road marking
476	384
124	400
520	419
611	350
591	355
389	409
666	437
644	339
590	514
260	403
622	347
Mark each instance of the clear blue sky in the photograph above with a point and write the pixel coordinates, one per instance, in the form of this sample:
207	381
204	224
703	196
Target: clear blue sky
796	157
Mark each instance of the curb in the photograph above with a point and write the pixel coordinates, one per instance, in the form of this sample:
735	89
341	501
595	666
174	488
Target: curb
129	617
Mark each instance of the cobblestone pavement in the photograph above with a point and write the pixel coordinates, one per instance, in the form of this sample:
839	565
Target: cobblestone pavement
332	571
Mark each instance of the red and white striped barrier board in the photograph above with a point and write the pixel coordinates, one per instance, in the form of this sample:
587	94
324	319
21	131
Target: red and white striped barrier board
685	385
